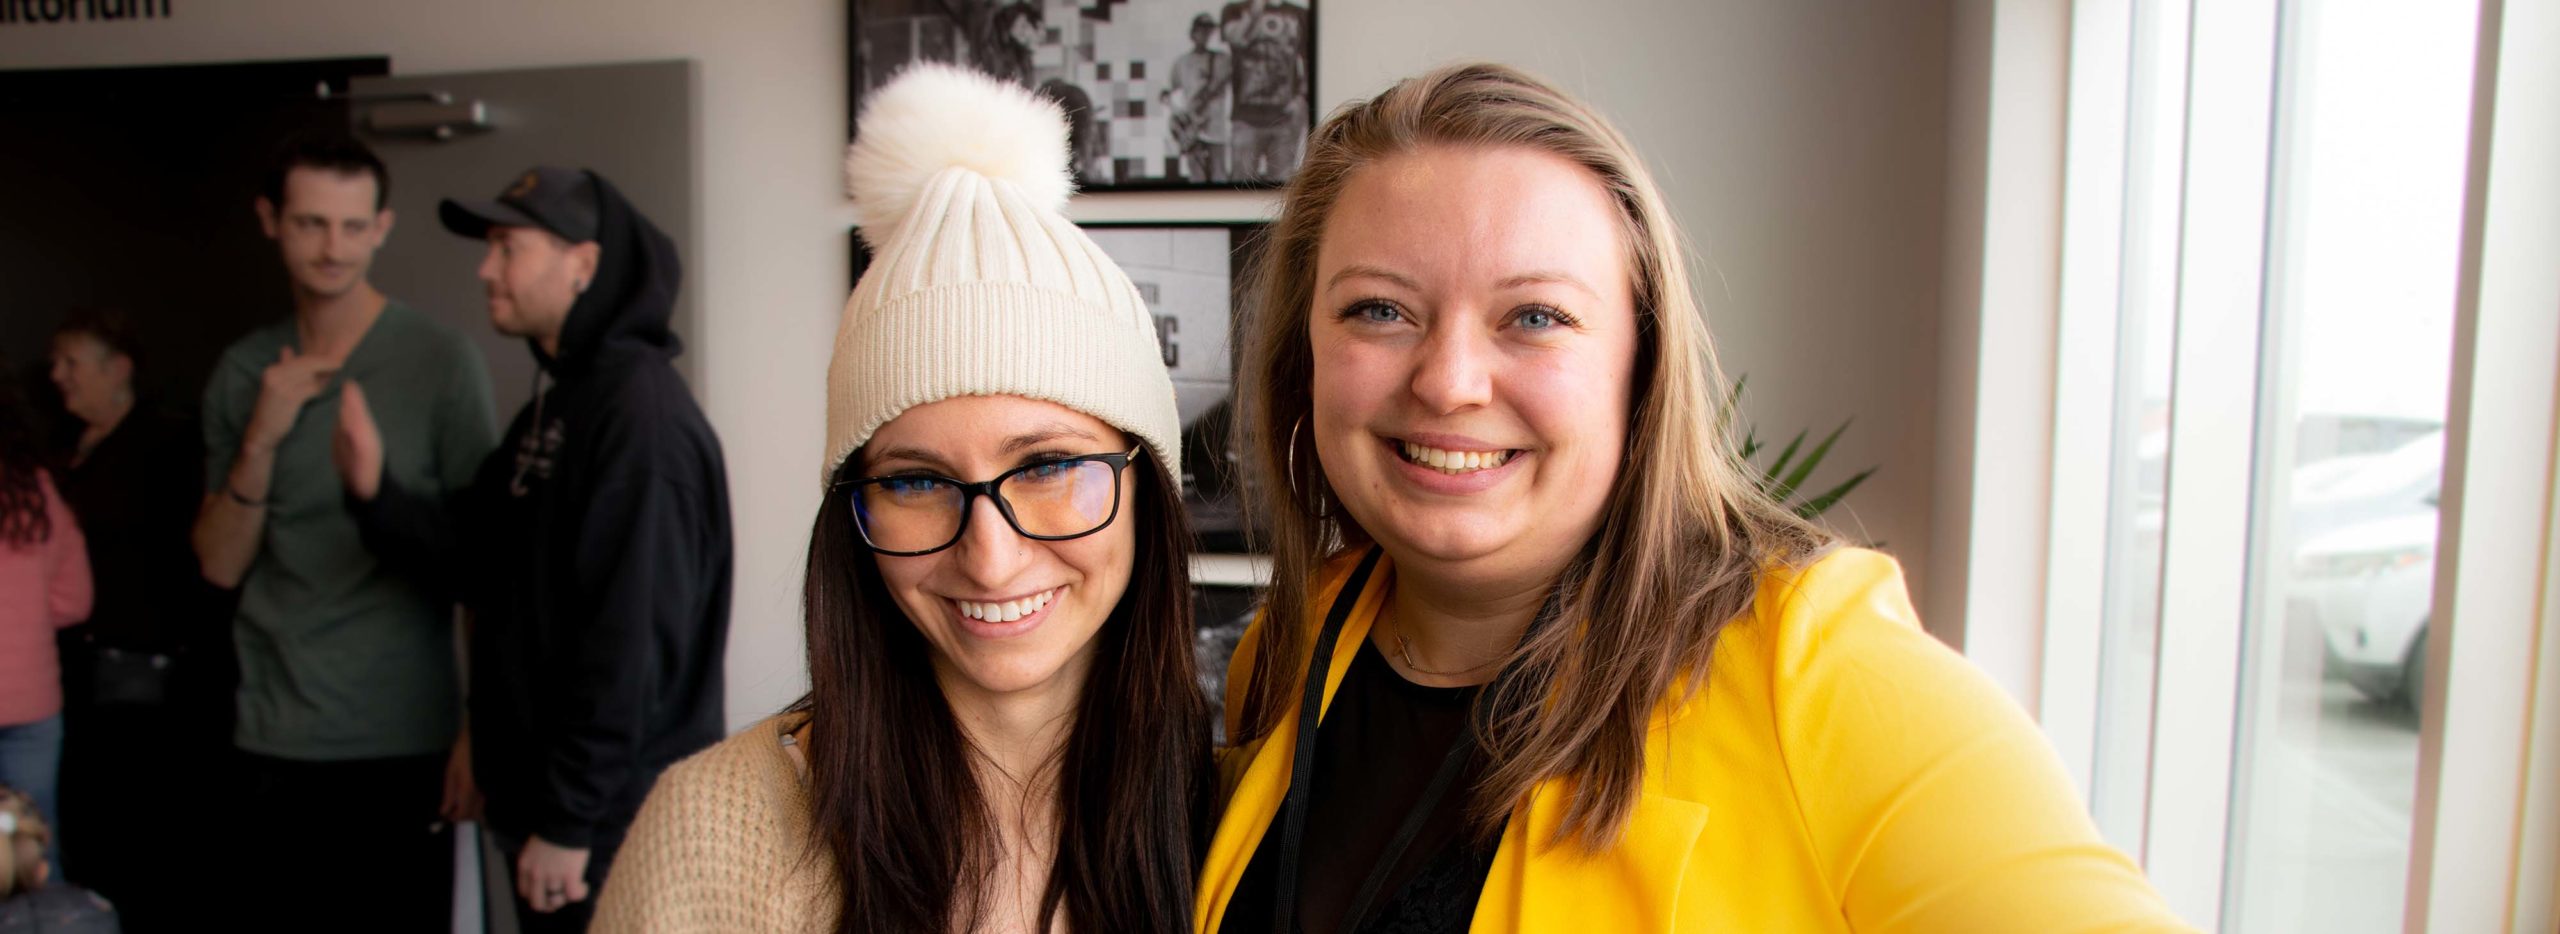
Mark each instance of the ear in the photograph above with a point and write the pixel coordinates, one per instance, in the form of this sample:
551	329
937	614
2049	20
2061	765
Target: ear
583	259
382	224
266	216
119	367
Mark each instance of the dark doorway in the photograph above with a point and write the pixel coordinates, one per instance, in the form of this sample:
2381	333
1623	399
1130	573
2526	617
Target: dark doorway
131	187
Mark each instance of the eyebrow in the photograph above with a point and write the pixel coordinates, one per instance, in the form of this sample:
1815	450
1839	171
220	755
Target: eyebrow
317	217
1043	435
1363	271
1532	277
1036	436
1546	277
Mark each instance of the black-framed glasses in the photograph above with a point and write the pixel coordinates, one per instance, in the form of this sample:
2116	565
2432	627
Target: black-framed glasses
906	515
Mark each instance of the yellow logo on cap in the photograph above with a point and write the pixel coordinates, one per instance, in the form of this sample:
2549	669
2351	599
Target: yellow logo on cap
524	186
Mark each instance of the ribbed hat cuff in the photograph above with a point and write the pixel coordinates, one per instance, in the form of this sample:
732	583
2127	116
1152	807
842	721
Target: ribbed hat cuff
998	338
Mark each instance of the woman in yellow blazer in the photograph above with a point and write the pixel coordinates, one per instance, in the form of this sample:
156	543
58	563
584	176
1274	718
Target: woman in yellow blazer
1572	670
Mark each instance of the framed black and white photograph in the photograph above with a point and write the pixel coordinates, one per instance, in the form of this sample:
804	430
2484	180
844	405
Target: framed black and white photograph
1159	94
1192	276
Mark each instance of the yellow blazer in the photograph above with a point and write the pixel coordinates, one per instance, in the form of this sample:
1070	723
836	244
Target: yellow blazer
1841	771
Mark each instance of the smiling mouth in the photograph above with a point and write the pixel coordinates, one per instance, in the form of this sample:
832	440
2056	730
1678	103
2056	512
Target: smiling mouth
1453	463
1006	611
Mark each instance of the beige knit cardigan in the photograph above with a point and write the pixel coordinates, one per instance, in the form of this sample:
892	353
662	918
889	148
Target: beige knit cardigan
723	845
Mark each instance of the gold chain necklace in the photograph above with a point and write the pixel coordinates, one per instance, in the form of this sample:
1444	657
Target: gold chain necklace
1404	652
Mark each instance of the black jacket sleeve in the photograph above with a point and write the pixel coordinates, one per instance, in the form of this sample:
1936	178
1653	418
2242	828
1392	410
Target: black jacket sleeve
638	587
418	533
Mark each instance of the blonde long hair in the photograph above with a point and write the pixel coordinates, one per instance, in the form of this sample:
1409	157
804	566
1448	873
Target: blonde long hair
1685	536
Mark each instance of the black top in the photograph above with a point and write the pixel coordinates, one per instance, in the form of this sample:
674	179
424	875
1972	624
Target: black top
136	497
594	547
1376	752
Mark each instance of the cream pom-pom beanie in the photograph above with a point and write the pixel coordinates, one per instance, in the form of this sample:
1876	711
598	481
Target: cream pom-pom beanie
978	285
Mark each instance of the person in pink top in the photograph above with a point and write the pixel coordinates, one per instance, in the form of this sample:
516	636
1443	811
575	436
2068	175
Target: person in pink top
44	586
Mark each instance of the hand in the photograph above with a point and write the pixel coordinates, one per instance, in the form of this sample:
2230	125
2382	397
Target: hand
283	389
550	876
359	444
461	794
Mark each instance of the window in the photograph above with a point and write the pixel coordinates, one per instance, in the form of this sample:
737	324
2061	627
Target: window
2261	350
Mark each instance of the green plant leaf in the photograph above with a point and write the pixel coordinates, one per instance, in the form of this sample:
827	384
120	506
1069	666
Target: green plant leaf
1823	503
1779	468
1812	460
1793	466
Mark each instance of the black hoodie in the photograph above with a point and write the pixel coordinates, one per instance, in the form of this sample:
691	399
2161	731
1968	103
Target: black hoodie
593	549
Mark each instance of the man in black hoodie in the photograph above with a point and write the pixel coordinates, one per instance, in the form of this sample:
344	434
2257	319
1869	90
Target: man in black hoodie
593	545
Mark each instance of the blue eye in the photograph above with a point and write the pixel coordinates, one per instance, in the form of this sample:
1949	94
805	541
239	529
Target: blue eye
1540	318
1049	471
1374	312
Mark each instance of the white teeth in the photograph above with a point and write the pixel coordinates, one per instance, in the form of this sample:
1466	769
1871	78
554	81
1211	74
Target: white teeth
1006	611
1454	462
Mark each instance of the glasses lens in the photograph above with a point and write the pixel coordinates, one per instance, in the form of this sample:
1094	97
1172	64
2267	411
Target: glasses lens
908	513
1065	498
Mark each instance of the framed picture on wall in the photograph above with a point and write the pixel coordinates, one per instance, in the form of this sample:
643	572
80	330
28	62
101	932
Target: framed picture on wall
1159	94
1191	275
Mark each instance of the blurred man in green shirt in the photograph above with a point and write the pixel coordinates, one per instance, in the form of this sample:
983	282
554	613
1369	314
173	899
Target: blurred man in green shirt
349	705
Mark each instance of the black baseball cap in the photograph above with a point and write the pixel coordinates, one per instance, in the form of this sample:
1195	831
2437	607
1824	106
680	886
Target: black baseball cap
559	200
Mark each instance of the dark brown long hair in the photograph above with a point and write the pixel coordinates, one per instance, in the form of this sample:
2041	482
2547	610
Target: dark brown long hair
893	795
1684	538
25	519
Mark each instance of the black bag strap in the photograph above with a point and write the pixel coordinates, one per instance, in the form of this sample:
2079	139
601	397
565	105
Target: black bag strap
1293	809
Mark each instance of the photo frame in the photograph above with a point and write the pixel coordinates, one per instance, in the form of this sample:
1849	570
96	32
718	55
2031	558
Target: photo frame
1191	274
1160	94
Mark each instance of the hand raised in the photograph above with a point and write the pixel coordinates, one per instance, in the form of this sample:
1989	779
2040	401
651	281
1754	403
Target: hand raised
358	447
283	389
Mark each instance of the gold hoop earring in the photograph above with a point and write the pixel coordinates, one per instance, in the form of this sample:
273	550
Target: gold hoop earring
1296	495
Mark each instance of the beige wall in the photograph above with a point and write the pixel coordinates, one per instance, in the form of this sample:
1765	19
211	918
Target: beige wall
1994	433
1803	145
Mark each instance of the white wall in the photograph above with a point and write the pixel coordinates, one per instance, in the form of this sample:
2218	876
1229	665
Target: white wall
2010	69
1803	145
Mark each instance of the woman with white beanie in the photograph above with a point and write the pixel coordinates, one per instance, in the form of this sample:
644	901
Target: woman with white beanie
1003	730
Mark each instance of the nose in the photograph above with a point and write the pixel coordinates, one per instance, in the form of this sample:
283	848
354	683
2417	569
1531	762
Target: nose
1454	372
489	266
990	554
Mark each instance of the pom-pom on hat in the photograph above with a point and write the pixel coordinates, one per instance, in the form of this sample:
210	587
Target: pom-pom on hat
978	285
